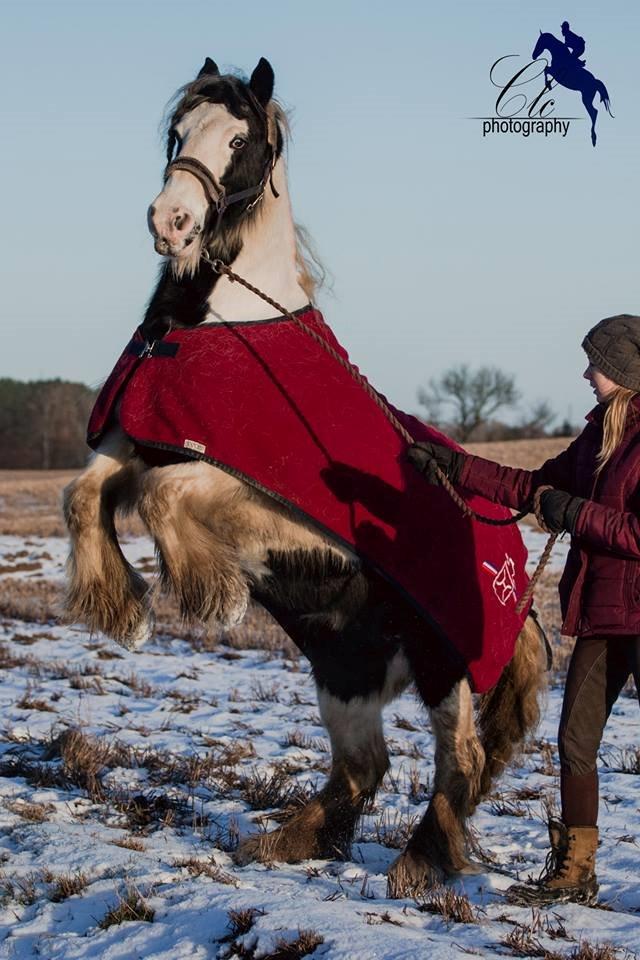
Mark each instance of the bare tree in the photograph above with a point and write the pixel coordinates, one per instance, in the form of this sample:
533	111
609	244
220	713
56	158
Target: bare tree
470	398
537	421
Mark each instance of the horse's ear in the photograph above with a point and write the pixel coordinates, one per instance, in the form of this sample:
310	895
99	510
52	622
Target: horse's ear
209	69
262	80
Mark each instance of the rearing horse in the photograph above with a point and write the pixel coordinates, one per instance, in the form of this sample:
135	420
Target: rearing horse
222	541
565	70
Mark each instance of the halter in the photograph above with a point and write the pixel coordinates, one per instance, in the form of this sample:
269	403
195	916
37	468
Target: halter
215	193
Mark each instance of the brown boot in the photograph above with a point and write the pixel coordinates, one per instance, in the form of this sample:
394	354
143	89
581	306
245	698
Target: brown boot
569	872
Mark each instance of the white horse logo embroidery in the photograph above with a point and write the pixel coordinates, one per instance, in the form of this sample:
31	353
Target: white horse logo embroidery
504	579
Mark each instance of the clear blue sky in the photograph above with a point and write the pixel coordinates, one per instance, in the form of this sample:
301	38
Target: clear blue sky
444	247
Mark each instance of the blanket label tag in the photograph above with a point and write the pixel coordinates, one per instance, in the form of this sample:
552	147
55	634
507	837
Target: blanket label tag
194	445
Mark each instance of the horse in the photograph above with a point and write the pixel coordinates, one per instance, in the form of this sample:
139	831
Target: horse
222	542
568	72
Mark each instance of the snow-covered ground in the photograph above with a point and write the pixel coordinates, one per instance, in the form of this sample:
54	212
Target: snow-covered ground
176	751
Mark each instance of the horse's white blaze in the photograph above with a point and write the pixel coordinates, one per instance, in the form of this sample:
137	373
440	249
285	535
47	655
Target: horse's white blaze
206	133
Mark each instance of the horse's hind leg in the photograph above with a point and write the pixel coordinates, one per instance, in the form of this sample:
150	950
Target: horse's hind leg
437	847
593	113
324	828
103	591
189	510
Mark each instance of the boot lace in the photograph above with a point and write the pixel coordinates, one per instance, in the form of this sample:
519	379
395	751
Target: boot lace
555	865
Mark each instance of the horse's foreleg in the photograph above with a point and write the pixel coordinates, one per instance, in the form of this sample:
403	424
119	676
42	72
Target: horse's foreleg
189	510
103	591
325	826
437	847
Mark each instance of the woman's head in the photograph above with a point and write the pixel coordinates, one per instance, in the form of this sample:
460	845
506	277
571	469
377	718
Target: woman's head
613	349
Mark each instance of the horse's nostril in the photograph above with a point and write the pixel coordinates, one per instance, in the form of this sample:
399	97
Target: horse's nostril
152	211
182	221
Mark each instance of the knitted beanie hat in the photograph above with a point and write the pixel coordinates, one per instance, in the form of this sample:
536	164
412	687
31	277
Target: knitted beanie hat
613	346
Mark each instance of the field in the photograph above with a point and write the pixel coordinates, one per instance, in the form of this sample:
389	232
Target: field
126	780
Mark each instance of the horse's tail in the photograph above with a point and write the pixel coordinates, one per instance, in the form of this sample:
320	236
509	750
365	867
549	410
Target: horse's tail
510	710
604	96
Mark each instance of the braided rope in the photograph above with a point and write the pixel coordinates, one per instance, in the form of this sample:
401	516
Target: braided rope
221	268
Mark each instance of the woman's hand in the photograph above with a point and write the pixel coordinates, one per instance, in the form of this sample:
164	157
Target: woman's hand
560	510
426	456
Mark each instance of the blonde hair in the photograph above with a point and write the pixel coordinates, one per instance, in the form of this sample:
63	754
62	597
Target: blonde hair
615	421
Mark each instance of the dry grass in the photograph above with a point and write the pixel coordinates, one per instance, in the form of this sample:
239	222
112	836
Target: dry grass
453	907
67	885
35	812
392	829
129	843
305	943
526	454
31	504
132	907
23	890
241	921
28	702
264	791
207	868
34	601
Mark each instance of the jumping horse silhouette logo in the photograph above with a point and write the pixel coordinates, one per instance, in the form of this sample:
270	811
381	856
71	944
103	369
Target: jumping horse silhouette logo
567	69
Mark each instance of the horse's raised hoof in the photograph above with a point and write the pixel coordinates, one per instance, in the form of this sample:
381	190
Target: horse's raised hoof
231	611
119	608
412	874
217	604
140	634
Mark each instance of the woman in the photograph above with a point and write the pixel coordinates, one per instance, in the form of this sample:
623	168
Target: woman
595	496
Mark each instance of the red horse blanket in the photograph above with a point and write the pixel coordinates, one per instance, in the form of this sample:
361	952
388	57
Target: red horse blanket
267	403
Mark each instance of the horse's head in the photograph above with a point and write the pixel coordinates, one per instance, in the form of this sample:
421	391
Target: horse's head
223	139
544	42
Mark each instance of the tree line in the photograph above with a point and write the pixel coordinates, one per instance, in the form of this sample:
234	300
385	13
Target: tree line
43	424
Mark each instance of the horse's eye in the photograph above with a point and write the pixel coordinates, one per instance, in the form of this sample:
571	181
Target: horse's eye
238	143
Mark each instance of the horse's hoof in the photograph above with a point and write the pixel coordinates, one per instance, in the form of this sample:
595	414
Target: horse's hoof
143	632
472	869
231	614
263	848
411	874
248	851
289	844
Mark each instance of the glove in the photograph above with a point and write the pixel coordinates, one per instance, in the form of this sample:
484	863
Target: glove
560	510
425	456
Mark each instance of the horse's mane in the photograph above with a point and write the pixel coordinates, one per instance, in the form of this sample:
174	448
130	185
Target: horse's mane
233	91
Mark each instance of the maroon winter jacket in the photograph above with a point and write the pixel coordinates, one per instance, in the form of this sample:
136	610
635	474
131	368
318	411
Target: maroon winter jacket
600	586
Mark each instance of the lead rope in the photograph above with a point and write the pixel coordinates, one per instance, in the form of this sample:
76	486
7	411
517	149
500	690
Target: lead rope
221	268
